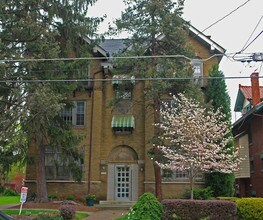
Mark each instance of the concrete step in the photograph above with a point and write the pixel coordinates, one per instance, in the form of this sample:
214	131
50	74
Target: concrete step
114	205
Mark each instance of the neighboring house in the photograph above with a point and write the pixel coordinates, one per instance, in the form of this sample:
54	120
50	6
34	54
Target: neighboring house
247	132
116	164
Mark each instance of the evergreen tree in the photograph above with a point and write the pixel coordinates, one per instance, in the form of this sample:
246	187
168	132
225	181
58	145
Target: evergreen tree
216	94
156	28
30	30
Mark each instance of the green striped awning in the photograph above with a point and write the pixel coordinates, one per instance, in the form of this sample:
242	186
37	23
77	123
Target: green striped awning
119	121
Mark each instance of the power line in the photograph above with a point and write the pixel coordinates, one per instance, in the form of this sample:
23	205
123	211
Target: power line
251	35
253	40
225	16
117	57
125	79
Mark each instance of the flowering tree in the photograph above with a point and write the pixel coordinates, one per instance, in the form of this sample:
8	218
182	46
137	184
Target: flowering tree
194	139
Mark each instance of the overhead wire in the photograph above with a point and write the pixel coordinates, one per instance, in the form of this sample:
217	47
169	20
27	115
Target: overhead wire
113	57
225	16
245	45
253	40
124	79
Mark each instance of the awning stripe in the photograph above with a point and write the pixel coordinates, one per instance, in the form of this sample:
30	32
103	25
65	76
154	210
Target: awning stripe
123	121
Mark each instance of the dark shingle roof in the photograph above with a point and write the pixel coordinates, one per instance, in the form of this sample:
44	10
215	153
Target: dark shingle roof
112	46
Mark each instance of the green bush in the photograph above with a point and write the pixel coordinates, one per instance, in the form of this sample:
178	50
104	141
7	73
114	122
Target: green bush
199	194
52	196
2	189
250	208
70	197
10	192
222	184
146	208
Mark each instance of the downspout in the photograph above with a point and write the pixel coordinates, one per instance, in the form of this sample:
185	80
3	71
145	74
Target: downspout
91	129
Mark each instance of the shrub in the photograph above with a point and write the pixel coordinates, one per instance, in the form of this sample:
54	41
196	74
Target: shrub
10	192
199	193
69	197
222	184
67	212
2	189
52	196
197	209
232	199
147	208
250	208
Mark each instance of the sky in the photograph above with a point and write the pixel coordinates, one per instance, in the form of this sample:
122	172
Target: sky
239	28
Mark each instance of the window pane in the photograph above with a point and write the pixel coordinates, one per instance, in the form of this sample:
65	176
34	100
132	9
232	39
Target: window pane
66	115
80	116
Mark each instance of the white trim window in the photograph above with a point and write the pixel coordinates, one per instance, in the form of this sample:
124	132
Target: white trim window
198	74
76	115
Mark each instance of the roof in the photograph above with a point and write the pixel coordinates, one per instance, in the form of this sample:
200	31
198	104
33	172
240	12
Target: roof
245	92
246	118
111	46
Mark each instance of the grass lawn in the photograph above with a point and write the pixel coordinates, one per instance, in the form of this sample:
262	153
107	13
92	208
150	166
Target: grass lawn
78	216
5	200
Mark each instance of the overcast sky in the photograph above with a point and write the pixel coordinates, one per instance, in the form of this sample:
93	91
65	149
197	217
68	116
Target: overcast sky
233	32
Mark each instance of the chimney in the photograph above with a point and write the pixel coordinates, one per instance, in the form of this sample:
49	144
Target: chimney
255	89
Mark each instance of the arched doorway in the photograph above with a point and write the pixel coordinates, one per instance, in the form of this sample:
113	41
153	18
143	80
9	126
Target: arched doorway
122	174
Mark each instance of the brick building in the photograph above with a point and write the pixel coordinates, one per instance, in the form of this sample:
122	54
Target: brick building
116	140
248	135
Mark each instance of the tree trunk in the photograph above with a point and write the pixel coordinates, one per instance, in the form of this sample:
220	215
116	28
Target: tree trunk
192	189
158	181
192	180
157	153
41	184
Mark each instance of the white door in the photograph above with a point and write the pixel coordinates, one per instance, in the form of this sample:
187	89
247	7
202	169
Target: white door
122	183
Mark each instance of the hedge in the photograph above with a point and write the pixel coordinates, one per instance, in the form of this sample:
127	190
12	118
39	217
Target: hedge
250	208
198	209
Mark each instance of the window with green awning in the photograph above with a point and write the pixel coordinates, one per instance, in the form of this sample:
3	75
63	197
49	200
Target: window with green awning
121	121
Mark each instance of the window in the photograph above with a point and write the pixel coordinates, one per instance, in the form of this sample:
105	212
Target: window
57	166
123	124
197	65
123	101
123	94
75	115
178	175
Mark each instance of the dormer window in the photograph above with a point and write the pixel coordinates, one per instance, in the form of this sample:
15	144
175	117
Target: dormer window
197	66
